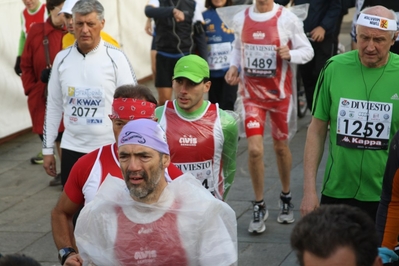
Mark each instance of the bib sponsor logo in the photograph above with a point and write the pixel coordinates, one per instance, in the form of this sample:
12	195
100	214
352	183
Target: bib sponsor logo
71	91
84	102
145	256
132	135
144	231
215	38
188	140
345	103
94	121
362	141
188	167
258	35
395	97
372	106
253	124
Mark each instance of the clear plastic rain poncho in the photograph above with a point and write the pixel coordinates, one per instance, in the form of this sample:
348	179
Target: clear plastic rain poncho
187	226
267	82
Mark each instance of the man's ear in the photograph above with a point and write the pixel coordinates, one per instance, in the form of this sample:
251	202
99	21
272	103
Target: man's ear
207	86
395	35
165	160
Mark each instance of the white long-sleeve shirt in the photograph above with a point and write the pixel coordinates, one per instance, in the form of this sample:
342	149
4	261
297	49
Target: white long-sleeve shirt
80	91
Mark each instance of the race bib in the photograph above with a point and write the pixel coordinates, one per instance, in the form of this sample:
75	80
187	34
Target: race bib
219	55
201	170
85	106
364	124
260	60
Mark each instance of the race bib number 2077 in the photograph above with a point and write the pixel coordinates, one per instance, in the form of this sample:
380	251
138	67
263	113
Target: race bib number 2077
364	124
85	106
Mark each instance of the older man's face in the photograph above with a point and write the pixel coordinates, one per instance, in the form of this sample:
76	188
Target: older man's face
143	171
87	31
373	46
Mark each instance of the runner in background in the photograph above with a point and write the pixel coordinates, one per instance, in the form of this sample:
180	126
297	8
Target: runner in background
269	43
219	40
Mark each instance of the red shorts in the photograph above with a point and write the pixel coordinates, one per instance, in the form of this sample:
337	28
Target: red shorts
255	117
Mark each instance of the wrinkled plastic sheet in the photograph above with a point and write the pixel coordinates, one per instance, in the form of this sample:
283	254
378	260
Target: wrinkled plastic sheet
187	226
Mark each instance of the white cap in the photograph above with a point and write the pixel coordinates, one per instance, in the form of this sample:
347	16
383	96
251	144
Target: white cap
67	7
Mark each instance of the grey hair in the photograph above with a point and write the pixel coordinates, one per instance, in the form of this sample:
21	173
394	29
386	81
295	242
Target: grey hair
84	7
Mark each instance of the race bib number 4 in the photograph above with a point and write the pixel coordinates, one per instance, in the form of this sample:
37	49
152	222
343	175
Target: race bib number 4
260	60
219	55
364	124
201	170
85	106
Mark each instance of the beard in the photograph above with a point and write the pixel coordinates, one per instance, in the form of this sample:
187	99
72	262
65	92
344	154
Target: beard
150	183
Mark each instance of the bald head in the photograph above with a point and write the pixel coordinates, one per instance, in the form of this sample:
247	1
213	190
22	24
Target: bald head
380	11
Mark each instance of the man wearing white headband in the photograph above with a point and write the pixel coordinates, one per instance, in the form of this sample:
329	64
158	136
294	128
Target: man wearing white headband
357	94
143	220
360	5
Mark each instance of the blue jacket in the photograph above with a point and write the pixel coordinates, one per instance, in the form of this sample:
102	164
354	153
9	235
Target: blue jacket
216	32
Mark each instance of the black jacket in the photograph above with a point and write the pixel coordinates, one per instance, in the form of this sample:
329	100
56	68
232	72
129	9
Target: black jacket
324	13
176	37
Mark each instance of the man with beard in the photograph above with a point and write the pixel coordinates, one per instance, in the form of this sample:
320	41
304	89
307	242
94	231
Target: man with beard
143	220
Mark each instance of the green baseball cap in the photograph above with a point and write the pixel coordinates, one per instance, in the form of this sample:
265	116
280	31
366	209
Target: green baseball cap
192	67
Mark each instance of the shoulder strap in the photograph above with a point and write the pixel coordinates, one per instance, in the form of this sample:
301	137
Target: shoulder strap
45	43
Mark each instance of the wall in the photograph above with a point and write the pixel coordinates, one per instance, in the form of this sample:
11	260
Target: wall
125	21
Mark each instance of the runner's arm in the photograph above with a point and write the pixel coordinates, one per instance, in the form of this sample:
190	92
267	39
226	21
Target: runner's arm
199	33
301	51
54	109
70	201
125	73
314	148
21	44
61	222
29	80
153	10
230	145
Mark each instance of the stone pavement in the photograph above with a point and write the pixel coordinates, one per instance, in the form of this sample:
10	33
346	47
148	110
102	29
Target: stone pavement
26	200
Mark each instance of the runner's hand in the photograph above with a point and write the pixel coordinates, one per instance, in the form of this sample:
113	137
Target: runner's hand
232	76
309	203
317	34
49	165
284	52
148	27
178	15
73	260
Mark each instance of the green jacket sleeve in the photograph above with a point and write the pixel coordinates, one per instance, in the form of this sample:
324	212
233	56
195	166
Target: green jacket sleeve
230	145
21	45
